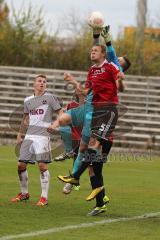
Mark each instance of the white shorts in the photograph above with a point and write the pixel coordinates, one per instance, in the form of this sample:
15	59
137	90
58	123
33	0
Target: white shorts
35	149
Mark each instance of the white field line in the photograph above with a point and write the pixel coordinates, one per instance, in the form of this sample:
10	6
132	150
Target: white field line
81	225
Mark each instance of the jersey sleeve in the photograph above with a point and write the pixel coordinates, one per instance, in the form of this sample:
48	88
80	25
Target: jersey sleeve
112	57
25	109
55	103
114	70
88	83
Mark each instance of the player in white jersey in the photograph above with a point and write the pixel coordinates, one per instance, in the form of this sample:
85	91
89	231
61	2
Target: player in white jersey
38	113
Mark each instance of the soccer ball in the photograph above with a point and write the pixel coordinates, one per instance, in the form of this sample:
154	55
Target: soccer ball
96	20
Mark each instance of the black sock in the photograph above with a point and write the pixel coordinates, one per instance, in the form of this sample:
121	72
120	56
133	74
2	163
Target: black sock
100	196
97	168
103	185
81	169
93	181
99	199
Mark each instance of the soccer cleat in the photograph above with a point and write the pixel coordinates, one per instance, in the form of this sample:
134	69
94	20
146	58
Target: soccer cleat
21	197
64	156
94	193
106	199
42	202
68	179
97	210
67	188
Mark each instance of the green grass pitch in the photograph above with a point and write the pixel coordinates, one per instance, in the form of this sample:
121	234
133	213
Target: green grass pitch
133	185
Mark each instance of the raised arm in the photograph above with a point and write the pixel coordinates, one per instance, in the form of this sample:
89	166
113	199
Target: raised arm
70	79
111	53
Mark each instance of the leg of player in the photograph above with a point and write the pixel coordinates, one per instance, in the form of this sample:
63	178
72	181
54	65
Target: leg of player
85	138
44	179
23	180
84	117
96	179
94	186
78	168
66	136
96	183
82	161
68	187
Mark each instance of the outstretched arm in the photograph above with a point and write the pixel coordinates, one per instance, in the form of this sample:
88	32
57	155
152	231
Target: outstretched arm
70	79
111	53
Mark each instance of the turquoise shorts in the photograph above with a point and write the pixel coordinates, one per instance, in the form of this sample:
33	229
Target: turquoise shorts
82	116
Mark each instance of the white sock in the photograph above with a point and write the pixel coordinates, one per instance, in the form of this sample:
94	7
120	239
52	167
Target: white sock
44	178
23	179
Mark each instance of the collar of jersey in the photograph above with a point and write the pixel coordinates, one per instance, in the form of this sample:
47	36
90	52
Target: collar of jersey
105	61
40	95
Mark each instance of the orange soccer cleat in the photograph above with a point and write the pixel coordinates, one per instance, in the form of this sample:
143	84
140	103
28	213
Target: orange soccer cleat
42	202
21	197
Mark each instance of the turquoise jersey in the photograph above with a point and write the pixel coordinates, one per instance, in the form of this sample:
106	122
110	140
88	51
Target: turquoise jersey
112	57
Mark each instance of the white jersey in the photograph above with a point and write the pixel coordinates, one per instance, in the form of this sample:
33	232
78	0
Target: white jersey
40	110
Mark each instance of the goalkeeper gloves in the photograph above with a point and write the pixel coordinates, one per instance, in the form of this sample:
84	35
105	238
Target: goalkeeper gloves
106	35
